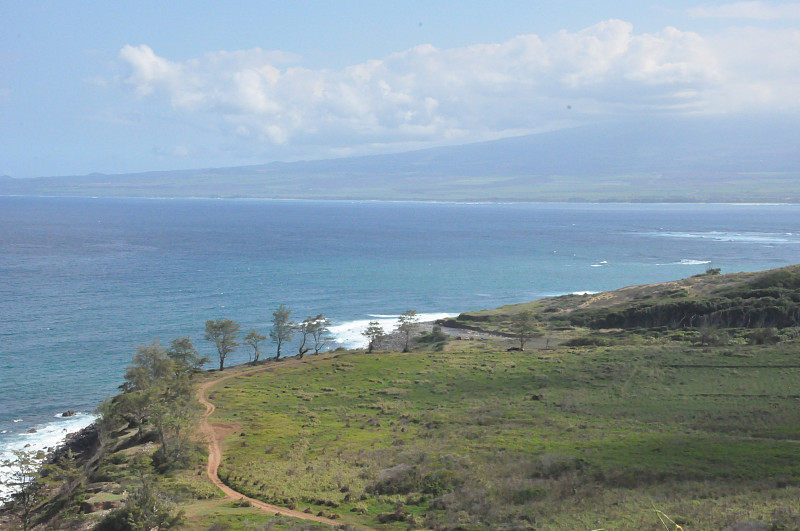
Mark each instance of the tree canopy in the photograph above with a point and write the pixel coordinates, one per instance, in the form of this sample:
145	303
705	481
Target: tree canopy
374	332
222	332
254	339
282	328
407	324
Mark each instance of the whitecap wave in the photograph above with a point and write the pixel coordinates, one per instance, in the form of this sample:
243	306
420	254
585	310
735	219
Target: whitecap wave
773	238
349	334
41	438
687	261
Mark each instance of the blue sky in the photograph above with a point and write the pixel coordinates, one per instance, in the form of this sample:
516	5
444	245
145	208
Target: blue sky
112	87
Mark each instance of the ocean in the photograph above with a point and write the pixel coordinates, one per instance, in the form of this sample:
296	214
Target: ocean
83	281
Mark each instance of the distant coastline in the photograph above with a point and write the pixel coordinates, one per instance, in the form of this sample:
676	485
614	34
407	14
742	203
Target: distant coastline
576	202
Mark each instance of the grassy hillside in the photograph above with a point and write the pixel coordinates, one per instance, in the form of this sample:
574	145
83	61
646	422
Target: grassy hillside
743	301
588	428
572	438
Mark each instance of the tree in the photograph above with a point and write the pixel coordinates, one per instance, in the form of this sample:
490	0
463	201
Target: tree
524	327
149	364
281	328
373	333
253	338
407	324
320	332
306	329
223	333
171	418
24	482
135	407
184	356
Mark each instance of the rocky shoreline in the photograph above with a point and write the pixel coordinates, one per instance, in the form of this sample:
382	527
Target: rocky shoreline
395	341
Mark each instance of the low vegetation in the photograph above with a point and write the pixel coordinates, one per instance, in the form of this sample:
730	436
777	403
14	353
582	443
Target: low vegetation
544	420
572	438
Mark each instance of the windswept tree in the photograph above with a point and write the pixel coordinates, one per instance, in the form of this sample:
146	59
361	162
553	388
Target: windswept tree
374	332
156	396
184	356
145	379
282	328
134	406
407	324
305	330
524	327
254	339
150	363
320	332
223	333
171	418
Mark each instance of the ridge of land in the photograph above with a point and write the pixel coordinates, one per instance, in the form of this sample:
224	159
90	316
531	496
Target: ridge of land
695	159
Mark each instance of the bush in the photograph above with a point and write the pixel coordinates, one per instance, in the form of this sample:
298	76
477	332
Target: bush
400	479
711	336
587	341
146	508
434	337
763	336
526	495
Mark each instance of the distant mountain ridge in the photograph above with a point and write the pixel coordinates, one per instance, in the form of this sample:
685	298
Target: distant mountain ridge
689	159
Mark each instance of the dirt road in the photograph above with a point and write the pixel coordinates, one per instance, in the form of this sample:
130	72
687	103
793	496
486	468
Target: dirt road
215	436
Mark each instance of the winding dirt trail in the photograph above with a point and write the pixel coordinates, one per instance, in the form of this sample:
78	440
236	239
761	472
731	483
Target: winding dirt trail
216	434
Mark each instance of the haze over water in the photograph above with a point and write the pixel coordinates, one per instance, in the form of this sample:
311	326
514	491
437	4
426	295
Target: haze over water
86	280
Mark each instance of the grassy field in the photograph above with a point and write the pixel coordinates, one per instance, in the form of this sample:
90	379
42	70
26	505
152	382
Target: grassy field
476	437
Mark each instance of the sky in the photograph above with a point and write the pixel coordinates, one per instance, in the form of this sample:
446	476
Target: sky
119	87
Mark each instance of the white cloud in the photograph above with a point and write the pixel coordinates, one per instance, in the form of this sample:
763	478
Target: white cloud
748	10
426	94
761	69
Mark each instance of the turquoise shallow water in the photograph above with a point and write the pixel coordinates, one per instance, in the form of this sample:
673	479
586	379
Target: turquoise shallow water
83	281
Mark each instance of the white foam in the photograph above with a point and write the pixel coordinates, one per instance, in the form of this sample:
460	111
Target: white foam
46	436
349	334
688	261
733	237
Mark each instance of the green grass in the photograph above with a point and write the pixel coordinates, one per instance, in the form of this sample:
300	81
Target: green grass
478	437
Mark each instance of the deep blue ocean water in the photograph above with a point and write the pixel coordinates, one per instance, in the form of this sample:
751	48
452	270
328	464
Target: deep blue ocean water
83	281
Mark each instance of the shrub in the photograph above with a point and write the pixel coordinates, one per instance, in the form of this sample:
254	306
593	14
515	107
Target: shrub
587	341
146	508
763	336
400	479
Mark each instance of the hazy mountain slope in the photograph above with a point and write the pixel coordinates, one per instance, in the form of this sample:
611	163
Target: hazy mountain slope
690	159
